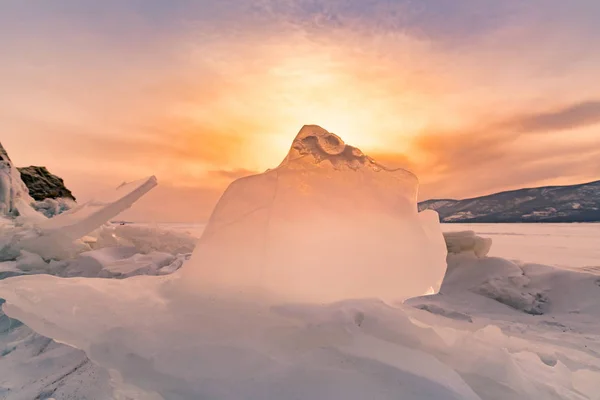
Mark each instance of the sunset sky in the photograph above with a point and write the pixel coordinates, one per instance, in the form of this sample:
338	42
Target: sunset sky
474	96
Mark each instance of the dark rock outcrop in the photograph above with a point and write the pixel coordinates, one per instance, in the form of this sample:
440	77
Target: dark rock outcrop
44	185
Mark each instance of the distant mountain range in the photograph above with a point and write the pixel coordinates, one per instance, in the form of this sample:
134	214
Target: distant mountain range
575	203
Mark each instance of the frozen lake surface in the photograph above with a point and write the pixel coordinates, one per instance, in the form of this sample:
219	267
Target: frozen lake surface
563	245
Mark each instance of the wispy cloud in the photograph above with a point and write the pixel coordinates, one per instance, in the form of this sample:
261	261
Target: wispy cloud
511	152
570	117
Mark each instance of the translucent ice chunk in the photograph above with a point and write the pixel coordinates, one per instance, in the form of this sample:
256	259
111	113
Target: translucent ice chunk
83	219
329	223
12	188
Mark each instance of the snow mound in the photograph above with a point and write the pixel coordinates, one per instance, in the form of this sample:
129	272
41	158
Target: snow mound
328	224
493	283
176	346
467	241
35	367
497	279
238	349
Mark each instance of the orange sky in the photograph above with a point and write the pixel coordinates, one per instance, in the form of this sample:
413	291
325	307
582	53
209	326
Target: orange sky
198	93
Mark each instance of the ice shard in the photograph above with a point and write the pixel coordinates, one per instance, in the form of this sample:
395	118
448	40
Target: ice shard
13	192
55	237
329	223
467	241
85	218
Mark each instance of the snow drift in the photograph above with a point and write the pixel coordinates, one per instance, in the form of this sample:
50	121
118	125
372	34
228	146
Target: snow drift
175	345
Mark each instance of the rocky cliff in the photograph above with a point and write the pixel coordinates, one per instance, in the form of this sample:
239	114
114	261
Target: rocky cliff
44	185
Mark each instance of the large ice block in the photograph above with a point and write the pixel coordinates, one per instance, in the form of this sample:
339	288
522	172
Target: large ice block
329	223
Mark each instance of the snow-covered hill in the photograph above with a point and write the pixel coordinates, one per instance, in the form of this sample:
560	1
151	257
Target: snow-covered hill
575	203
